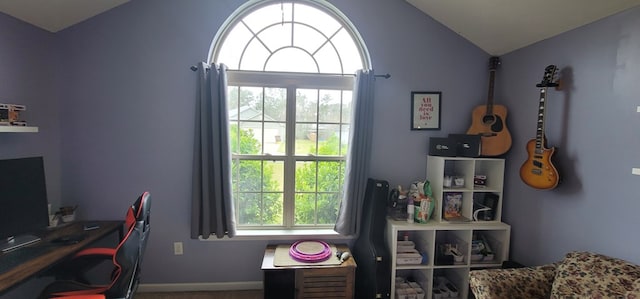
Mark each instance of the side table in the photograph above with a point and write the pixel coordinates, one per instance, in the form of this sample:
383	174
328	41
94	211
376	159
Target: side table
308	281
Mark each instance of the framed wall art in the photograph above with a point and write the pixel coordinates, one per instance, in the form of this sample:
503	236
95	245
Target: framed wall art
425	110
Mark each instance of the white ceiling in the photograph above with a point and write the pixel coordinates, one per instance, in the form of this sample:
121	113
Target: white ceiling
496	26
55	15
501	26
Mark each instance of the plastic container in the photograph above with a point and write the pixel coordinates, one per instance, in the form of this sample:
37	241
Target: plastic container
412	257
405	246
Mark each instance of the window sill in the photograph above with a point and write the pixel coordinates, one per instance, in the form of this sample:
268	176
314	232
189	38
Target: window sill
254	235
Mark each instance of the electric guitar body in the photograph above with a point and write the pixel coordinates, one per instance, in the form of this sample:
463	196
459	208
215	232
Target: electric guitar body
489	121
538	171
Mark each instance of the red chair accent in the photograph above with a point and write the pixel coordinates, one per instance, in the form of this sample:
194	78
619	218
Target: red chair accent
126	258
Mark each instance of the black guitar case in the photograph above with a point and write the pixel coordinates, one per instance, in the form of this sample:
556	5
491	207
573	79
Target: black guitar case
373	274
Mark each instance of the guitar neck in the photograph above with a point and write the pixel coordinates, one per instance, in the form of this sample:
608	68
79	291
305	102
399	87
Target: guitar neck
492	76
540	128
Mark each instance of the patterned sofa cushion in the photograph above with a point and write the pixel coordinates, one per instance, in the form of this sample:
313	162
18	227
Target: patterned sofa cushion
530	282
592	275
635	292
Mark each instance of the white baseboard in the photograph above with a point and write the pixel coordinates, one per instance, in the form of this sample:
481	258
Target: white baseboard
204	286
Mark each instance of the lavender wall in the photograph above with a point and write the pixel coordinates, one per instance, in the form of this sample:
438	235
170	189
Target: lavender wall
125	122
28	60
129	96
594	125
27	77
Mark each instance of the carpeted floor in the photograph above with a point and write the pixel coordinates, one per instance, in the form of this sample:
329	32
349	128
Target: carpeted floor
254	294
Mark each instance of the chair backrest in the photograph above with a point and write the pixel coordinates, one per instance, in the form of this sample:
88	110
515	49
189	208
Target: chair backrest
126	262
144	216
129	253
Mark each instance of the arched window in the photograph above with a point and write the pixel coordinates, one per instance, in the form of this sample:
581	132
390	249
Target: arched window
291	67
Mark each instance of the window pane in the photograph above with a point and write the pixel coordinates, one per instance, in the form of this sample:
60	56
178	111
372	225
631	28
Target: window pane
328	204
347	98
256	210
316	18
249	208
352	61
330	105
243	140
328	59
328	142
234	42
306	105
281	61
275	104
273	176
234	137
275	115
276	36
268	15
254	56
306	136
261	198
243	50
306	176
250	138
272	208
250	106
329	176
307	38
305	208
344	140
250	175
235	170
275	138
233	98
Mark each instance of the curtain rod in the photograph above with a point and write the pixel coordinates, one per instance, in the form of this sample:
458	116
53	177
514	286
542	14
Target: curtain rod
386	76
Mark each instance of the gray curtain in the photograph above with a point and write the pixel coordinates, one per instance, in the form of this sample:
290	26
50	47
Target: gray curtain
212	205
357	170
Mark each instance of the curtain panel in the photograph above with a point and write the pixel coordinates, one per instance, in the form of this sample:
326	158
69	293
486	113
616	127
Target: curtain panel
212	203
358	156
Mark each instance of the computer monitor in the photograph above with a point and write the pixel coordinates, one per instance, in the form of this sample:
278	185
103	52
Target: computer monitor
23	201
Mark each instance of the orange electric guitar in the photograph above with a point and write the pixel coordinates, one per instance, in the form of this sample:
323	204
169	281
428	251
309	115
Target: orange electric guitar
538	171
489	121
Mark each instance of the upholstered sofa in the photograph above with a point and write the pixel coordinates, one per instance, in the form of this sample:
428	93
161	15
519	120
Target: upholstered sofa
578	275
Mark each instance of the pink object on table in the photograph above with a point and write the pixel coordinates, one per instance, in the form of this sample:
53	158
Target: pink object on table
310	251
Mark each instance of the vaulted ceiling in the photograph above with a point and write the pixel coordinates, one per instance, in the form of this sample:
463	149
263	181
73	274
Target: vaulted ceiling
501	26
496	26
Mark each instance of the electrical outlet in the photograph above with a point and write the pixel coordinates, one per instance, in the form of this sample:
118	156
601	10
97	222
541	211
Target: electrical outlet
177	248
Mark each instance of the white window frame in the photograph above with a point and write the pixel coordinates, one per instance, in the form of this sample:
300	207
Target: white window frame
291	81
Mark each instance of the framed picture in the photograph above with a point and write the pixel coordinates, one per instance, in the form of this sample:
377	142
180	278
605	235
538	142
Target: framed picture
425	110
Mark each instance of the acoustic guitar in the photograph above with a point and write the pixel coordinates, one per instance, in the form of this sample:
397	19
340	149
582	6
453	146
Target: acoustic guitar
489	121
538	171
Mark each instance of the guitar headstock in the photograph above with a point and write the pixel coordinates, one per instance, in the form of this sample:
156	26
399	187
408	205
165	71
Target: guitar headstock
548	80
493	63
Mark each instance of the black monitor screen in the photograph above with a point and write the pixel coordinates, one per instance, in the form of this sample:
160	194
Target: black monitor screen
23	197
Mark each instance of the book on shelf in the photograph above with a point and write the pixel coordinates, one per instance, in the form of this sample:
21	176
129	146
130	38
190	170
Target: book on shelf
452	206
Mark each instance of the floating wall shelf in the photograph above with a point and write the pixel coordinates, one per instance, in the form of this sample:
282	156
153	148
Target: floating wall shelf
18	129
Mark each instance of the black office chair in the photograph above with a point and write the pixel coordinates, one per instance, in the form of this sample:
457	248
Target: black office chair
126	258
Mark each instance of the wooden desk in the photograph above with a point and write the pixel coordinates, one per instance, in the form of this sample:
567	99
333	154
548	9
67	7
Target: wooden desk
337	281
33	267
